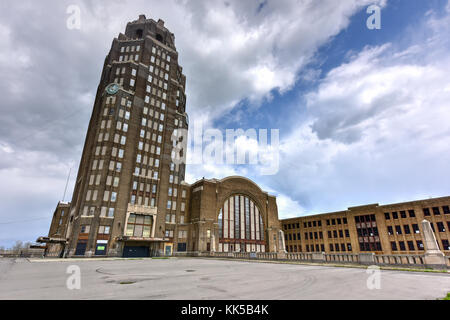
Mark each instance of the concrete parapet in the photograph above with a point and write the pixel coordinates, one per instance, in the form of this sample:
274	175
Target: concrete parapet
318	257
367	258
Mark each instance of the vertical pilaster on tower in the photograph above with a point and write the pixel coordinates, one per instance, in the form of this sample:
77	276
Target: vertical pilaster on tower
434	257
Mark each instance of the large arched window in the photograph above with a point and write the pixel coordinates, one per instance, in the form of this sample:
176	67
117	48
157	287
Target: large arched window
241	227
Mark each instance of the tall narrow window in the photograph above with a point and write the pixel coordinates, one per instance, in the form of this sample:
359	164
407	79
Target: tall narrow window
261	228
220	224
240	225
236	216
247	219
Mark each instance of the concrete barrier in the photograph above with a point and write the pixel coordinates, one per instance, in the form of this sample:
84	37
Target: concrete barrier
399	260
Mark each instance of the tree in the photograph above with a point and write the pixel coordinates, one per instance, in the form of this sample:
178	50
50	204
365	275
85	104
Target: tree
18	245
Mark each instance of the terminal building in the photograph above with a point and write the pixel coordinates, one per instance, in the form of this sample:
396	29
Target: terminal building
382	229
130	198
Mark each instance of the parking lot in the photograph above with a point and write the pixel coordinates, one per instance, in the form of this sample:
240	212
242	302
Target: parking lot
196	278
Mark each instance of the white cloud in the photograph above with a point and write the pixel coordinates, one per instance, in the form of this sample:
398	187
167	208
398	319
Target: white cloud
229	51
288	208
376	130
245	54
32	184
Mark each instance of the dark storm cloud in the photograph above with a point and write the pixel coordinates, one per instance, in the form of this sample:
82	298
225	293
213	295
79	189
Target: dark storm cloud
48	81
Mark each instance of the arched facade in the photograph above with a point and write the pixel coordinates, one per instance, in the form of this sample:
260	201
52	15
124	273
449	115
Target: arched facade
240	225
232	215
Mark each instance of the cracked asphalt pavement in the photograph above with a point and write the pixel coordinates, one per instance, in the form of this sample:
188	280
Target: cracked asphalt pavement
196	278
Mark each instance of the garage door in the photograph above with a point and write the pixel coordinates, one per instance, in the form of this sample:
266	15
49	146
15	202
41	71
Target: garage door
135	252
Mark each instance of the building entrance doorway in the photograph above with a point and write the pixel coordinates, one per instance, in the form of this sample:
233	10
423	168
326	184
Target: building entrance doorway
136	252
168	250
81	248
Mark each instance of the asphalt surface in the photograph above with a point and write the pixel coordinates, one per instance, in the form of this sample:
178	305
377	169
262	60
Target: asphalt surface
195	278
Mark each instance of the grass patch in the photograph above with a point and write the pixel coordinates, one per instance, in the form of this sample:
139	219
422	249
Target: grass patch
126	282
349	265
447	297
414	269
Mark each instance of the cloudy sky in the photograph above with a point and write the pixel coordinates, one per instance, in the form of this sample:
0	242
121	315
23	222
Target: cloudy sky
363	115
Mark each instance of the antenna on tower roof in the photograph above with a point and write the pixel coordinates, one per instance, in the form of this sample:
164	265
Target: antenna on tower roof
67	182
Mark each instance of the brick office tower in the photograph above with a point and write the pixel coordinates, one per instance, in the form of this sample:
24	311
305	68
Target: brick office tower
122	188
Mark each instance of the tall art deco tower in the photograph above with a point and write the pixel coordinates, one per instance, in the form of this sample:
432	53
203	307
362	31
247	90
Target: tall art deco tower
130	197
126	177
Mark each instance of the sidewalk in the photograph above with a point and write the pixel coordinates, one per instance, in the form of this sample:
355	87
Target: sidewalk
91	259
349	265
243	260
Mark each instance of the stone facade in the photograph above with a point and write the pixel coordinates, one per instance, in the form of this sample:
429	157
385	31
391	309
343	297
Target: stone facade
390	229
208	197
130	198
57	235
126	159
